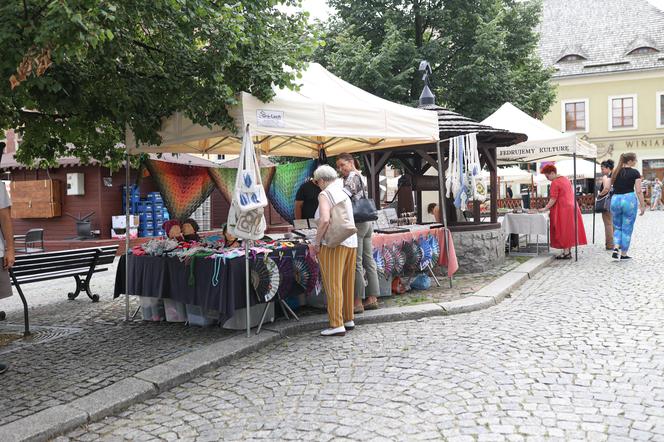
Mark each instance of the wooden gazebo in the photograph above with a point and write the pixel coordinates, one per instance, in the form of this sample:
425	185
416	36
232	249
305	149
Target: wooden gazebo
418	159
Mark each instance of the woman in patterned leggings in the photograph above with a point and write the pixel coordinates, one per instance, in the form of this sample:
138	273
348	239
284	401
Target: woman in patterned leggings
627	197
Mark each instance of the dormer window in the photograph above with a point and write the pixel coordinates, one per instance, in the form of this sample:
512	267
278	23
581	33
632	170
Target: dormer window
571	57
643	50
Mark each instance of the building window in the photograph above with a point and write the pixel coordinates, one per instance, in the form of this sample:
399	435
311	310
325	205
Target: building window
575	114
622	112
643	50
660	109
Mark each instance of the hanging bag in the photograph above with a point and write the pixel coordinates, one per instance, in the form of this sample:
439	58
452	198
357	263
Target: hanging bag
249	192
603	204
341	225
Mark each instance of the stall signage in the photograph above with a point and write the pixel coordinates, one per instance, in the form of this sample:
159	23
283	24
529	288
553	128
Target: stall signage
270	118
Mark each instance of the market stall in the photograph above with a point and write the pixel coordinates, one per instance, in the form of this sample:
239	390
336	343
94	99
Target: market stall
544	143
325	116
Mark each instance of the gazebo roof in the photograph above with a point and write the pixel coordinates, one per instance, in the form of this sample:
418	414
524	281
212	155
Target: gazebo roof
452	124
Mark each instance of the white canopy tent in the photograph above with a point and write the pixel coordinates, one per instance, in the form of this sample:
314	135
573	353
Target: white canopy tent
584	169
544	143
324	113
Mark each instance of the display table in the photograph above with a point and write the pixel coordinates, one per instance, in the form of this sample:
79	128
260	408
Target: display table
213	284
527	224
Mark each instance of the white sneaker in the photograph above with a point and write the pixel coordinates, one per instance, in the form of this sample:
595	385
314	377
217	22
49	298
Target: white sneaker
349	325
338	331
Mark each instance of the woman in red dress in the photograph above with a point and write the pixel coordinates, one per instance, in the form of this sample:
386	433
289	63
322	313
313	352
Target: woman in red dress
561	218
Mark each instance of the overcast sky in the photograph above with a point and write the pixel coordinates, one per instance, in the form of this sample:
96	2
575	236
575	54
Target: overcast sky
319	9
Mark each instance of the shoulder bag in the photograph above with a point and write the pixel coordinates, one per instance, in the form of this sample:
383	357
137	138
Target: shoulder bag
364	209
341	225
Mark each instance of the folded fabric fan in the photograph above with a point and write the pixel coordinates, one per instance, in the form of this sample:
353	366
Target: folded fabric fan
380	263
399	260
435	249
264	278
388	260
425	247
286	276
410	255
306	273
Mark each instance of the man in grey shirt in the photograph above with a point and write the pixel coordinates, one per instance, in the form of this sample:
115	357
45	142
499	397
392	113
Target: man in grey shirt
6	248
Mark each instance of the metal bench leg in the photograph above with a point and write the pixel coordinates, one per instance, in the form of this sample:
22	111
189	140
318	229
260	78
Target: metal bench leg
73	295
26	320
86	287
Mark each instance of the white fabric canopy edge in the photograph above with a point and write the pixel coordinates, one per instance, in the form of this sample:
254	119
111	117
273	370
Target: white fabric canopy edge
324	113
544	142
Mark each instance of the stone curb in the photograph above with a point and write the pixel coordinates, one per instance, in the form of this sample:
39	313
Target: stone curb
58	420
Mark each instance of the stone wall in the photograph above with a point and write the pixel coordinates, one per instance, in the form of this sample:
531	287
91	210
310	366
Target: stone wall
479	251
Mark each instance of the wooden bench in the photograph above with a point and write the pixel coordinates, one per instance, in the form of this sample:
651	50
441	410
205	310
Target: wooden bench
80	264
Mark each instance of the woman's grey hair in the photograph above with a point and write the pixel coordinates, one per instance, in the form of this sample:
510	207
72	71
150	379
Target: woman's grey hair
325	173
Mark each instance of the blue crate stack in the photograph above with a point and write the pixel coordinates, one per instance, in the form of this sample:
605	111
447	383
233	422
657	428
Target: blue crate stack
150	210
159	212
134	199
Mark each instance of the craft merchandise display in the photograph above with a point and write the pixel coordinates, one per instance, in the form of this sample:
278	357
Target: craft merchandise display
176	276
464	180
202	282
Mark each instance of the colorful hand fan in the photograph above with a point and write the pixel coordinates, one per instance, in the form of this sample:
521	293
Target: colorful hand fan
425	245
435	248
264	278
380	263
388	260
399	260
411	261
286	276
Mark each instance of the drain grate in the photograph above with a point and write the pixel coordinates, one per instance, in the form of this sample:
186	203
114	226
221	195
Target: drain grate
40	335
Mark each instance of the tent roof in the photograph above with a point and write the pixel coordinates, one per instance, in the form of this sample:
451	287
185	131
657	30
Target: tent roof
324	113
452	124
544	142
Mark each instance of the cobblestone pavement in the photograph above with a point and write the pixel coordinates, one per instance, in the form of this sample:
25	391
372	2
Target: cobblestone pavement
576	354
79	347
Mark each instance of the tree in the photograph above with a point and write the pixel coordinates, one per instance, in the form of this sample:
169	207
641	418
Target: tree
76	73
483	52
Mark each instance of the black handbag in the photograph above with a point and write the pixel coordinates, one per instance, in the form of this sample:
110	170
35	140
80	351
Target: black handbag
603	204
364	209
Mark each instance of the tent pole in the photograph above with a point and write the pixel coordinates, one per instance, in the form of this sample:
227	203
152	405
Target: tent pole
246	285
441	202
127	232
576	221
594	195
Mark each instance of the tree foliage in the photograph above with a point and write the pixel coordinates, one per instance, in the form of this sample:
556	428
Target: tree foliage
483	52
75	73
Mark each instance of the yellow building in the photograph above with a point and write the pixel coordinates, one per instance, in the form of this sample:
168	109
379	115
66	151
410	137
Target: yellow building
608	57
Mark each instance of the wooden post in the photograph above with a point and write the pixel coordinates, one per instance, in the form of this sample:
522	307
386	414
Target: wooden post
494	184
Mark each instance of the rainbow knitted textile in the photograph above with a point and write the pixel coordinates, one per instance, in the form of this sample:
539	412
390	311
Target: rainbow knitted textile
182	187
224	179
286	182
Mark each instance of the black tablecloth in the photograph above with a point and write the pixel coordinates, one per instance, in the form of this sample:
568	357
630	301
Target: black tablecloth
168	277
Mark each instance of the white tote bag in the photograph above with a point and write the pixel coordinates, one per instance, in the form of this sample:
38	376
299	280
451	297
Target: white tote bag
246	225
249	192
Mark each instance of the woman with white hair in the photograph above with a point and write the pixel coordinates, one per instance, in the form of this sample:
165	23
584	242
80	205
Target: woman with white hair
337	261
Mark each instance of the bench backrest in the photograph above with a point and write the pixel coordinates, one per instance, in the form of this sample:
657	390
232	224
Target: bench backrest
62	261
